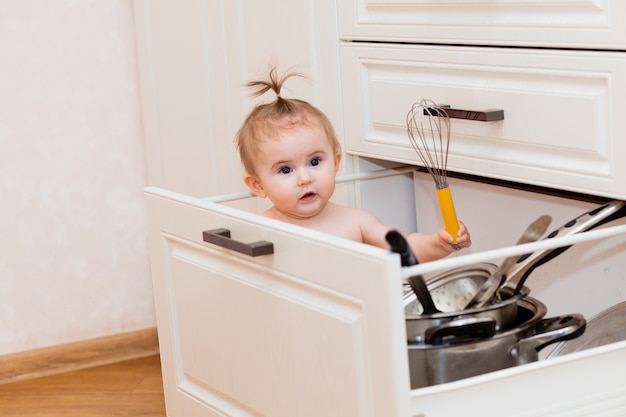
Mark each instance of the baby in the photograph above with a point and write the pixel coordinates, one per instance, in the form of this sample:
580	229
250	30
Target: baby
291	155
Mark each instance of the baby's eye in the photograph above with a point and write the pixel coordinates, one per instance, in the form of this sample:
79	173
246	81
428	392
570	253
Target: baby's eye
315	162
284	170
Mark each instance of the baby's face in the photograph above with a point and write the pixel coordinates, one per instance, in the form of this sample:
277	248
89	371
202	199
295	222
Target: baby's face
296	171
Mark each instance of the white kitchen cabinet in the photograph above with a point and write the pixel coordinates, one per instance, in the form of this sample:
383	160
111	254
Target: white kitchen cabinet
556	69
316	328
562	126
588	24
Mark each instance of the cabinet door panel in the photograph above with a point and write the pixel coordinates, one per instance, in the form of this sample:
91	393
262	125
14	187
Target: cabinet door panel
564	23
561	124
304	331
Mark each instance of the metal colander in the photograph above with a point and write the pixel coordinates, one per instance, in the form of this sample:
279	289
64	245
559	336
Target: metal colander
451	290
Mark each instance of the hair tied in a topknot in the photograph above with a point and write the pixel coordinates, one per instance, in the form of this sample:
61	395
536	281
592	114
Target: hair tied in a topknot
275	83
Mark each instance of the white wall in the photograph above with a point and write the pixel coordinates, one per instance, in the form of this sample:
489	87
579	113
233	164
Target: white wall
73	257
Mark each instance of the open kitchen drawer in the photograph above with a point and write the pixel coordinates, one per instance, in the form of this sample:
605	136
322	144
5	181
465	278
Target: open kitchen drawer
316	328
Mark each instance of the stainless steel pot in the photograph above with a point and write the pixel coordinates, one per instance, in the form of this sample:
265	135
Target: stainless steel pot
456	355
452	289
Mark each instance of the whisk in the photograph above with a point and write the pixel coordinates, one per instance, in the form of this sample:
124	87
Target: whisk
428	128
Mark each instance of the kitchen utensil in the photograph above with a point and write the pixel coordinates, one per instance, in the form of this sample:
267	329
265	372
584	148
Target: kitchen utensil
519	272
428	128
398	244
488	289
431	364
608	326
423	295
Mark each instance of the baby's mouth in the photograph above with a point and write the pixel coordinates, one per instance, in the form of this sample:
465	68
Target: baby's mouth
308	196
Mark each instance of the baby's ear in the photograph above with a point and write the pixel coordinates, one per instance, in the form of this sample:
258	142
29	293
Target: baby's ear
254	185
338	156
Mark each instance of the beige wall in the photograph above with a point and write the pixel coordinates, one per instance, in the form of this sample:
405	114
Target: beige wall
73	257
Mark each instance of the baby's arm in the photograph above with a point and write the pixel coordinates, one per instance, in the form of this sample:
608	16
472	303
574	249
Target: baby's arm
433	246
425	246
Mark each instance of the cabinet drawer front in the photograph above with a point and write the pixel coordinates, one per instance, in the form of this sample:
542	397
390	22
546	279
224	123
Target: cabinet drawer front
585	24
562	124
314	329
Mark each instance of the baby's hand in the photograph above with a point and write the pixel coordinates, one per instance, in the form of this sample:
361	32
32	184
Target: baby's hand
463	239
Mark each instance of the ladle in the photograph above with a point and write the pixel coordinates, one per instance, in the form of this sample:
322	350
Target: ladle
487	291
398	244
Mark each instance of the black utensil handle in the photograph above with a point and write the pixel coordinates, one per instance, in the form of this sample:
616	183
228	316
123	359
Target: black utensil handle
221	237
418	285
398	244
488	115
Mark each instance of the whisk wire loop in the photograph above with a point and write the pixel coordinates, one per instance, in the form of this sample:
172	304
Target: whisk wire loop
428	129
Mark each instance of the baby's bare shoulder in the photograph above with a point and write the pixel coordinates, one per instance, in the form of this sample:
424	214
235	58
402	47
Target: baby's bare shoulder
354	215
370	228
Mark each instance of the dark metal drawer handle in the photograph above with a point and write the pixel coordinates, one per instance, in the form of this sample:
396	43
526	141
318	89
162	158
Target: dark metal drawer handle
489	115
221	237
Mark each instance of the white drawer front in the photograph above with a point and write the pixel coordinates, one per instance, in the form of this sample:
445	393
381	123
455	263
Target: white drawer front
576	24
563	125
314	329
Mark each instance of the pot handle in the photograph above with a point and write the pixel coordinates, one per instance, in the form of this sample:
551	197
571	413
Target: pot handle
552	330
461	331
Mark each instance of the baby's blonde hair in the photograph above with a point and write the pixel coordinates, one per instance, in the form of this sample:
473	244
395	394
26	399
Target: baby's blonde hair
267	121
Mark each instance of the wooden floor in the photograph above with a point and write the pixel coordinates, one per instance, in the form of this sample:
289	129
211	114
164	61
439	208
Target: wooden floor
126	389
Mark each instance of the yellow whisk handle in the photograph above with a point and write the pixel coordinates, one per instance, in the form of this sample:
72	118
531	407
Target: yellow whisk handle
447	211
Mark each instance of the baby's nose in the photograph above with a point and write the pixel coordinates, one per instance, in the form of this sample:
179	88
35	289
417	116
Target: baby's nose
304	176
